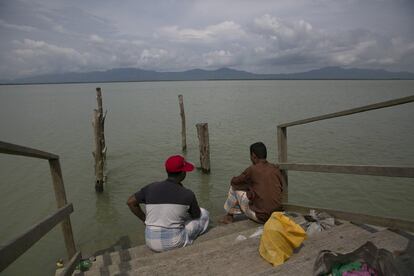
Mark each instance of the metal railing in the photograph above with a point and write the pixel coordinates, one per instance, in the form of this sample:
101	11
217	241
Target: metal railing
13	249
391	171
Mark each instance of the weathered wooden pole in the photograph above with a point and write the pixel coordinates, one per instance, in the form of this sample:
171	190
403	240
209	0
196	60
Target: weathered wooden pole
282	158
100	148
102	118
183	128
202	133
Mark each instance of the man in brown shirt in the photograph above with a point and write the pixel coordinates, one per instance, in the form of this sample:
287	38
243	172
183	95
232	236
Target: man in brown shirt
257	192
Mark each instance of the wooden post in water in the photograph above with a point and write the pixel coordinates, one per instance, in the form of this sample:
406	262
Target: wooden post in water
103	116
282	158
202	133
183	128
100	147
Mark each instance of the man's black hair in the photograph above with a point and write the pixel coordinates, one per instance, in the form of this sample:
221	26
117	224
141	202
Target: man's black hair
259	149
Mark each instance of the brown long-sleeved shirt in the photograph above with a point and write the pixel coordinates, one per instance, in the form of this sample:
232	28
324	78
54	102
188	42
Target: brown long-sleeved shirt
263	183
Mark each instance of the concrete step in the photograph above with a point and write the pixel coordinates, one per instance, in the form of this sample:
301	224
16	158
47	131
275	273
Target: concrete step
241	258
141	251
218	252
235	259
208	245
224	255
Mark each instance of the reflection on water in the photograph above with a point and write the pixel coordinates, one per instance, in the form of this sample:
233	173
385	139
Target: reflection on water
205	187
143	127
105	213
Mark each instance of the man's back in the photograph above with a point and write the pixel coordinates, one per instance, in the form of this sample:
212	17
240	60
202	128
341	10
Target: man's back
168	204
263	184
266	189
173	218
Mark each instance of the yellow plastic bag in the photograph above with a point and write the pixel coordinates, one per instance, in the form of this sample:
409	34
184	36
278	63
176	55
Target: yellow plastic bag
280	236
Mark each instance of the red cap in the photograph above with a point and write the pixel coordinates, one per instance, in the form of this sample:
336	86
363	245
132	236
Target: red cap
177	163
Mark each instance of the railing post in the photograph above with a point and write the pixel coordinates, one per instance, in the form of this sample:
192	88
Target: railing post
61	201
282	158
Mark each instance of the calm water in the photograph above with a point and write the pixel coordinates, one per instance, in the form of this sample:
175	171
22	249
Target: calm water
143	127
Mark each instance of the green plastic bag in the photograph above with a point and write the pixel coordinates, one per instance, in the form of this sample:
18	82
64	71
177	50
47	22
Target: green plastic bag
84	265
280	236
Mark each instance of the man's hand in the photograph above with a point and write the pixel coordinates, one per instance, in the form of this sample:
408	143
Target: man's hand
135	208
242	182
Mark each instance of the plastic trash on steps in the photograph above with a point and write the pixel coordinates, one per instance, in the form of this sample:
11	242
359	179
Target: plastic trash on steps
84	265
380	259
258	233
318	222
280	236
241	238
314	222
59	264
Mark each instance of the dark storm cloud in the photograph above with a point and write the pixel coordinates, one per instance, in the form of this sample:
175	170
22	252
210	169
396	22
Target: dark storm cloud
45	36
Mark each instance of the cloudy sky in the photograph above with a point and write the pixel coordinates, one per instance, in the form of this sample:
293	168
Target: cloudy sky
261	36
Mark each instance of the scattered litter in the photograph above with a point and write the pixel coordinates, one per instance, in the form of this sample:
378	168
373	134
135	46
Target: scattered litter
366	260
59	263
297	218
241	238
280	236
318	222
258	232
84	265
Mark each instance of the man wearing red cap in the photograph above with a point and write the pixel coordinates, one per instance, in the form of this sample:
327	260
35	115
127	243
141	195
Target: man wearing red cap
173	218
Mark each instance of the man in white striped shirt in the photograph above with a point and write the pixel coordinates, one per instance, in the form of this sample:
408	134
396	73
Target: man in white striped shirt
172	215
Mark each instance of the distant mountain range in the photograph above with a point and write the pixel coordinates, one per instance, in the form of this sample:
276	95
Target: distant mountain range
134	74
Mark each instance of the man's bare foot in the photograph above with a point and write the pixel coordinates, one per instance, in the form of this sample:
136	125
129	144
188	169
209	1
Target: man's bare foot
226	219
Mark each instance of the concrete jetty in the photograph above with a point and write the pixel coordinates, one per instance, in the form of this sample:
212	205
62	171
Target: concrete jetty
221	252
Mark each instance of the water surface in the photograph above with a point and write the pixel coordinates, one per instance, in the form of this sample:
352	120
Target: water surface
143	127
